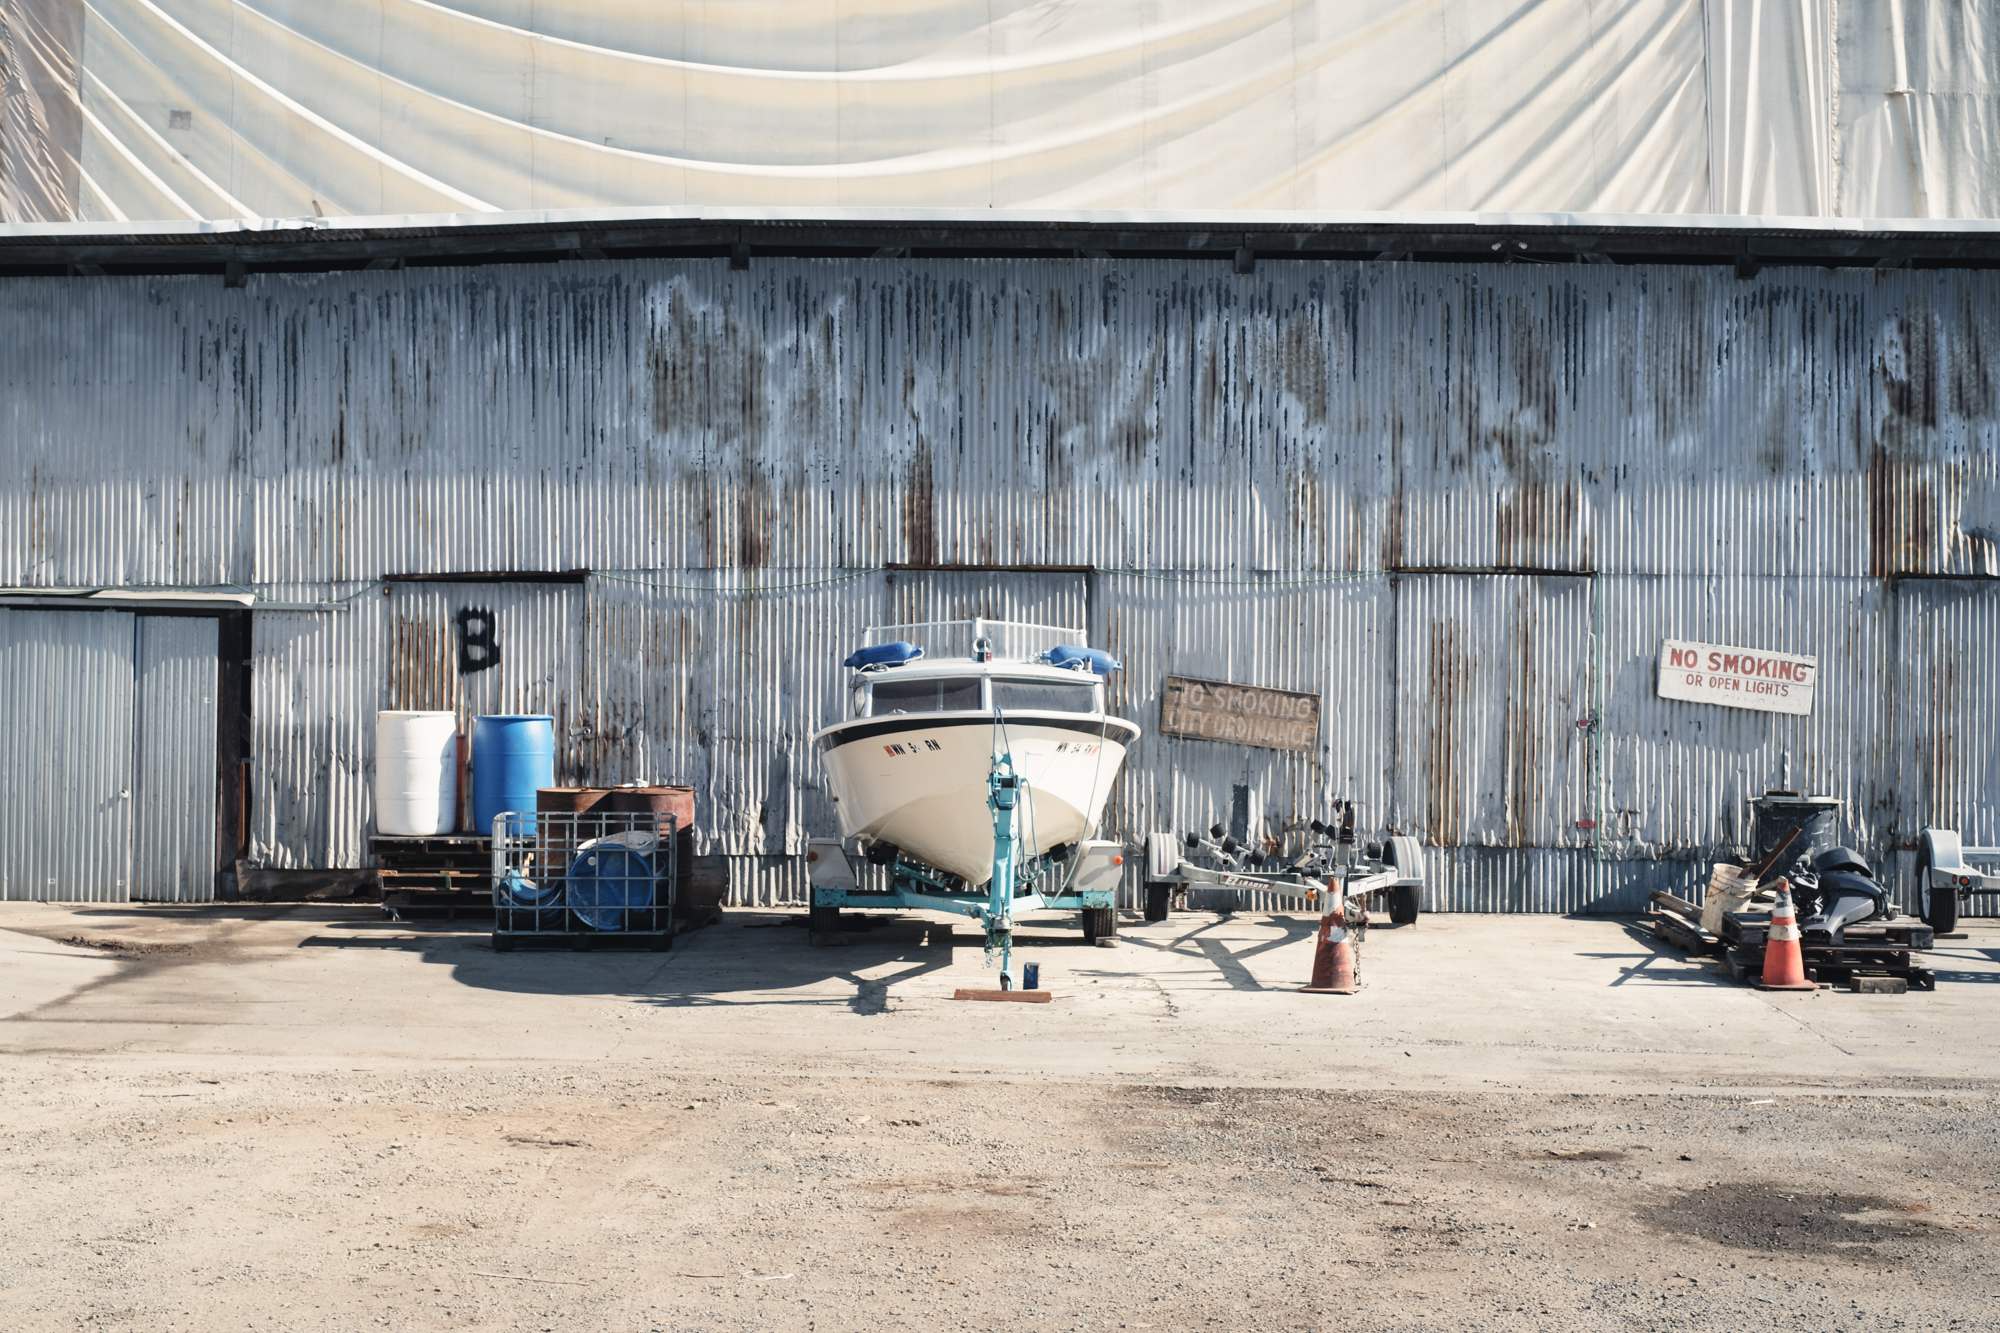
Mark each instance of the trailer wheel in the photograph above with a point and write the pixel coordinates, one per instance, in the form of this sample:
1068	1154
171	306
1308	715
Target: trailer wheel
1099	923
1940	902
822	922
1405	903
1159	900
502	943
1405	900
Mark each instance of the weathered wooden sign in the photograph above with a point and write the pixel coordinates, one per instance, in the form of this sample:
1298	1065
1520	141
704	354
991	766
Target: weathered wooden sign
1214	710
1714	673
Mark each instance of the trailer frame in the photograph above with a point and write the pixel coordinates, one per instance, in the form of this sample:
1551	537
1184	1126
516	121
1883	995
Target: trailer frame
1397	874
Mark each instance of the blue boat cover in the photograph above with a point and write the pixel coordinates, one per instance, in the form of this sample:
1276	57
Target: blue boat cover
883	654
1072	654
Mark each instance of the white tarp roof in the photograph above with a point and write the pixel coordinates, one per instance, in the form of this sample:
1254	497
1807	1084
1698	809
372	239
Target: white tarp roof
128	110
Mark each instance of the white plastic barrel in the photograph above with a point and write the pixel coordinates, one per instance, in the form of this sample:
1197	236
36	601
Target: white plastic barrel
416	773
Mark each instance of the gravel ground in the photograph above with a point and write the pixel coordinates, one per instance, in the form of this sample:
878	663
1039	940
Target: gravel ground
189	1145
476	1199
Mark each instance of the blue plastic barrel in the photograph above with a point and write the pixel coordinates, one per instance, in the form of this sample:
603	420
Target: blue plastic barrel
513	757
609	876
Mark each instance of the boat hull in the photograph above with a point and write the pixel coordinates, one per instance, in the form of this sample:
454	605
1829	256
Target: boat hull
919	783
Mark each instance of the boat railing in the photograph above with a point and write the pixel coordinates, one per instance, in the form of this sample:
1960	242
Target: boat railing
1011	640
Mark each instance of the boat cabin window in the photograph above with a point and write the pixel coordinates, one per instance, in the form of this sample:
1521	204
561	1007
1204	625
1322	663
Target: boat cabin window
1049	696
927	694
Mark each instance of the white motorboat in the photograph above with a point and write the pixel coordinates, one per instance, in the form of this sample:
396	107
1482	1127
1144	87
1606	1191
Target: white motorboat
910	765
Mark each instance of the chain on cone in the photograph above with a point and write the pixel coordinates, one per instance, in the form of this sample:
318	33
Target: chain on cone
1784	960
1333	952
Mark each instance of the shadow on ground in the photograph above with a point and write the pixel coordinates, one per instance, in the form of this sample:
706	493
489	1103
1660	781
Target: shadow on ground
756	959
750	958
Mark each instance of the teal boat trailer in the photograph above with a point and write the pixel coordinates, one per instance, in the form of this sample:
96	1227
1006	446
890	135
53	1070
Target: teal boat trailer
1014	889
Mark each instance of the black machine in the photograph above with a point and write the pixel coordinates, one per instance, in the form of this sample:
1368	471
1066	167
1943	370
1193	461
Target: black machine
1833	887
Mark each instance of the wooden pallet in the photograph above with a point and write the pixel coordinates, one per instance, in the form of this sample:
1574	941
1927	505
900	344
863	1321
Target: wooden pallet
433	905
1678	922
434	879
429	847
442	866
1906	933
1872	956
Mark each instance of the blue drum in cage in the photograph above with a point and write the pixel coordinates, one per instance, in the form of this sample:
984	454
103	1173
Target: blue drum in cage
611	882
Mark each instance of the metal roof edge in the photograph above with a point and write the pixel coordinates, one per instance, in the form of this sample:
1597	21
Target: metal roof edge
238	246
149	599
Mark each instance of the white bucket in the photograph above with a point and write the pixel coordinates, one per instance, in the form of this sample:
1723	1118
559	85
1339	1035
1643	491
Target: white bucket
1729	888
416	773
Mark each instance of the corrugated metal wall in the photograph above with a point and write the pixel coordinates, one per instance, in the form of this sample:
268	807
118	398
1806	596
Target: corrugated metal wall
1464	503
108	741
1118	414
66	739
317	676
173	788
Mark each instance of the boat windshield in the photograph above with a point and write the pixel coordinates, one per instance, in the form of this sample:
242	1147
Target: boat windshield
928	694
1048	696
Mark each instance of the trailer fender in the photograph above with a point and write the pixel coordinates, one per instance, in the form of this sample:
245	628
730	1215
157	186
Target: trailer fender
1938	851
827	866
1943	850
1406	854
1100	866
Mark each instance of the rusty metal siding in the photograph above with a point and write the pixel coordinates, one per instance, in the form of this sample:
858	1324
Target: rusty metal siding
1057	598
174	747
719	679
477	648
1677	776
1946	765
1497	712
66	711
317	675
644	715
1514	879
1493	679
1330	636
828	414
1408	462
121	435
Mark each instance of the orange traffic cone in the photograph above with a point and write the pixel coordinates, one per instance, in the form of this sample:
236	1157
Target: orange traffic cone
1333	954
1784	963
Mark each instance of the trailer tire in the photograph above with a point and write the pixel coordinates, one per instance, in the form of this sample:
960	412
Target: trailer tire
1099	923
1405	904
502	943
1940	903
1405	900
822	922
1159	900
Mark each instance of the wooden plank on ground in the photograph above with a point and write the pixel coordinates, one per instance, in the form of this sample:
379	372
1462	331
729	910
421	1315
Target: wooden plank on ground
1003	996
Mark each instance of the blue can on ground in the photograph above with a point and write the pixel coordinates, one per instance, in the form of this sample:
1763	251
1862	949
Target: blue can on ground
611	884
513	757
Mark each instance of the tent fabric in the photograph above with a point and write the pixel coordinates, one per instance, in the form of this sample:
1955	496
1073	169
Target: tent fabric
117	110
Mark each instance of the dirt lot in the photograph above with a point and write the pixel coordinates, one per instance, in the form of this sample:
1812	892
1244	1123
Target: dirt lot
308	1118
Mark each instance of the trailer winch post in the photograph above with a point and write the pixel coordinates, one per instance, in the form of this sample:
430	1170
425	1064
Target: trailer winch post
1003	798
